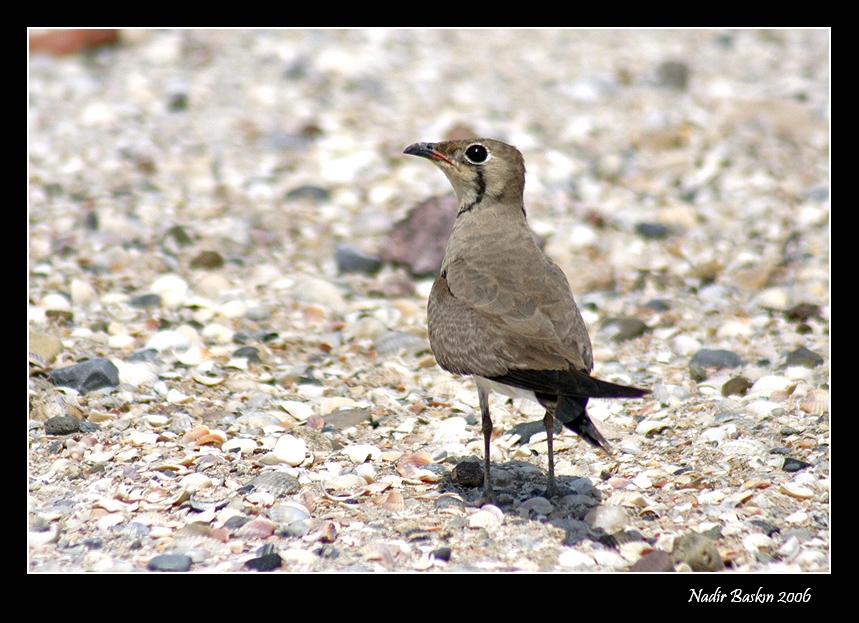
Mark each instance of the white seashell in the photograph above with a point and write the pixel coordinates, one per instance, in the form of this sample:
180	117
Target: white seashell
172	289
217	333
368	327
744	447
710	497
122	341
194	356
407	426
139	438
366	471
713	434
140	374
55	302
576	560
772	298
299	557
345	481
797	517
798	373
685	345
729	405
796	491
299	410
109	521
768	384
287	513
359	453
447	388
815	402
245	446
610	519
195	482
757	541
733	329
164	340
488	517
174	396
648	427
789	549
311	290
82	292
763	407
232	309
334	403
642	481
291	450
451	430
157	421
392	501
205	379
310	391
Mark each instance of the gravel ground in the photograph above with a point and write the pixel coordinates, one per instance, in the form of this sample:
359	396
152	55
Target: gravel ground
260	398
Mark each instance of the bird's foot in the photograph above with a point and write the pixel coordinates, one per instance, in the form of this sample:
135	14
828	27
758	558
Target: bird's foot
488	497
552	490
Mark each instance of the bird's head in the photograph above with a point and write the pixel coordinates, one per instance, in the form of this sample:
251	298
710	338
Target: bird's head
477	168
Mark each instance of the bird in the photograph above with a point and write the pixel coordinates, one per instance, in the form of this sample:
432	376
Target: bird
500	309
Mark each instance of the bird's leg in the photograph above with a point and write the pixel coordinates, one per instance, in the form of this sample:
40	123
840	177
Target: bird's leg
549	422
486	425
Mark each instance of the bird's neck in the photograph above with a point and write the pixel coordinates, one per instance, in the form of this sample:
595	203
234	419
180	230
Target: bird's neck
502	224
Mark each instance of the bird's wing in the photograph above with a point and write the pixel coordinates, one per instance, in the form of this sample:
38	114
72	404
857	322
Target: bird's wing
466	340
533	310
469	341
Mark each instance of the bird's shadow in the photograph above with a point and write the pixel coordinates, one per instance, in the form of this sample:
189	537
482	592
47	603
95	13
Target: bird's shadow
517	482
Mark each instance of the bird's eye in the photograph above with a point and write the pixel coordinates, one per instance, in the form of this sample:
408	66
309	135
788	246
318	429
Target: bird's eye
476	154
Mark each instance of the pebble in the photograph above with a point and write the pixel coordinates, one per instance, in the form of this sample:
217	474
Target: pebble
804	357
738	386
419	240
653	562
87	376
621	329
62	425
169	562
698	552
351	259
346	418
267	562
716	359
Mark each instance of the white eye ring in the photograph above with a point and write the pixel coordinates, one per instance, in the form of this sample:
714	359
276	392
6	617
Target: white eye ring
487	155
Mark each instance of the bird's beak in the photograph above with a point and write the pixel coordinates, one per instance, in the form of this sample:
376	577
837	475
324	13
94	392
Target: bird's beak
426	150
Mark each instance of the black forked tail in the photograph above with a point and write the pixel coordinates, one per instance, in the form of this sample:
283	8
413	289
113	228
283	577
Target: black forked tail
572	413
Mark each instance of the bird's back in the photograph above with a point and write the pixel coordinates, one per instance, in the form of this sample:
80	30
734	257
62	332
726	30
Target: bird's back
502	281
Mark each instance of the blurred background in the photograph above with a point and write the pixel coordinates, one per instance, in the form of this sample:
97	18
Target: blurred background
292	140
